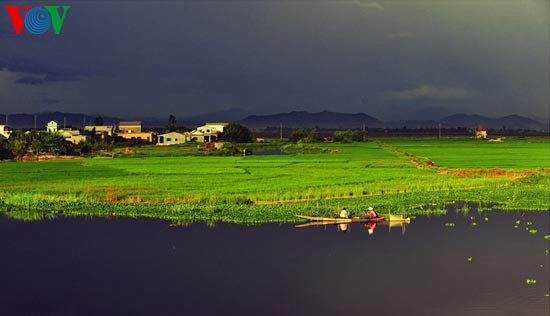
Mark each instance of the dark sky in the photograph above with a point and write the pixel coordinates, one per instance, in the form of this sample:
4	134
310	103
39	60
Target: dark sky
391	59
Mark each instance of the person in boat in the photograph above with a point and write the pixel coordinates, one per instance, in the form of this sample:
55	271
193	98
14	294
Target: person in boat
371	213
344	213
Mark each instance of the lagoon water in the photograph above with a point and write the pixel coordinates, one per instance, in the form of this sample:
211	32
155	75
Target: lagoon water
79	266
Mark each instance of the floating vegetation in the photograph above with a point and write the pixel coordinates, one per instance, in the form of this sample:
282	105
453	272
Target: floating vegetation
533	231
486	218
474	224
449	224
472	218
547	252
547	237
529	223
531	281
516	226
470	259
518	222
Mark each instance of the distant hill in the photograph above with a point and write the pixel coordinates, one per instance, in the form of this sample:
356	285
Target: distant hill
229	115
295	119
303	119
508	122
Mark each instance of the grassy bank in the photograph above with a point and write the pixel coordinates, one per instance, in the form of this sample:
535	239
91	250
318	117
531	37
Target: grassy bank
391	174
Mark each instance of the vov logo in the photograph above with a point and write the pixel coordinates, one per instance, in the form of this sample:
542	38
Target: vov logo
37	20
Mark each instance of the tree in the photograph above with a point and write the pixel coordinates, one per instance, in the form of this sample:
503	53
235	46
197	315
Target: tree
297	135
55	144
236	133
303	136
171	123
343	136
5	153
19	143
99	121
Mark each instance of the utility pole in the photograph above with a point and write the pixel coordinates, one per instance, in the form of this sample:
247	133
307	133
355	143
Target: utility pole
439	135
281	131
364	131
35	122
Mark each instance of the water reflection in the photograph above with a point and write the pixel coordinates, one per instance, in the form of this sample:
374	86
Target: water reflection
145	267
369	227
369	224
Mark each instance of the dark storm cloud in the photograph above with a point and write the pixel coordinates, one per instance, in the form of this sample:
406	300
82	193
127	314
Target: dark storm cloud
50	72
48	101
411	58
30	80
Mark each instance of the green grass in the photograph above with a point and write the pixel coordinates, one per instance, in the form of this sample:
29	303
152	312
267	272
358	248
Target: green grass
174	183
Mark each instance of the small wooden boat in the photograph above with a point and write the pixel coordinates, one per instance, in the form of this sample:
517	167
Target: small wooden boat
395	218
340	220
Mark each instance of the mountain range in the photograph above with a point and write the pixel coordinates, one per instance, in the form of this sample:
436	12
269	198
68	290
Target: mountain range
294	119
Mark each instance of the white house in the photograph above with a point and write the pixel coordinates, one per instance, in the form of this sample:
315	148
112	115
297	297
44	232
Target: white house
51	127
207	133
172	138
211	128
5	131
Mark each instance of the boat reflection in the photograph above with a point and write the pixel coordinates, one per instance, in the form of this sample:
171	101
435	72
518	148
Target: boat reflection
390	221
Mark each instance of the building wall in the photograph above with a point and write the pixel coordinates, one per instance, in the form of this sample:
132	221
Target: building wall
171	139
100	130
144	136
76	139
203	137
133	127
211	127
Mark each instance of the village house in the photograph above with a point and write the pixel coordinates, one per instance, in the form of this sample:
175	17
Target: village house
51	127
212	127
72	135
203	137
5	131
129	127
207	133
172	138
133	130
103	130
481	133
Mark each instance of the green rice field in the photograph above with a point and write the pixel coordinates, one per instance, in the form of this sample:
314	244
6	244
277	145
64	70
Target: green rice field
399	175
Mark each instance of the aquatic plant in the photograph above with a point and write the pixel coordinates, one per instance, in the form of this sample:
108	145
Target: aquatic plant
531	281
